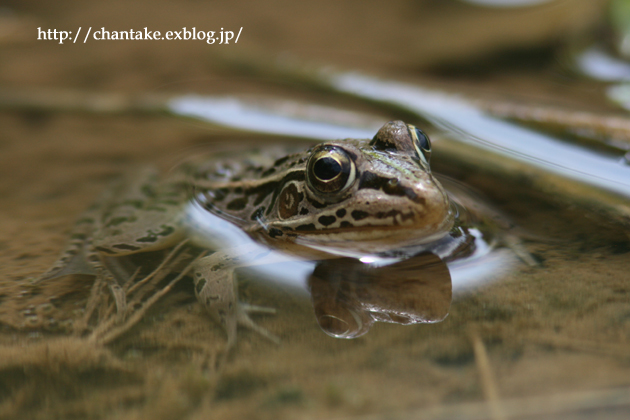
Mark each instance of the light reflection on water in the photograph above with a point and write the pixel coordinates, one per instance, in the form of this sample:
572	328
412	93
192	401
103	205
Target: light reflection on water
599	65
468	124
459	118
244	115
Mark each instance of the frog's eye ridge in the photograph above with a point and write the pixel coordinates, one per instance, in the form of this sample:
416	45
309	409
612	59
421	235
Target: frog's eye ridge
330	170
421	142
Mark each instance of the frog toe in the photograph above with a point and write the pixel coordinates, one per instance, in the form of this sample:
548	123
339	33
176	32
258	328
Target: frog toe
242	318
257	309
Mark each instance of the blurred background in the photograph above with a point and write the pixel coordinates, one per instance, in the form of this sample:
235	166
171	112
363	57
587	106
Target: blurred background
404	36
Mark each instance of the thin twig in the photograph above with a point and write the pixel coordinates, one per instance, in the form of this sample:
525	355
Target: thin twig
90	306
110	319
158	269
137	316
488	383
157	278
111	307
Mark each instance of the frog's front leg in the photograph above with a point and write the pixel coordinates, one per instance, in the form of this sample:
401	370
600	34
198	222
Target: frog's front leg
217	290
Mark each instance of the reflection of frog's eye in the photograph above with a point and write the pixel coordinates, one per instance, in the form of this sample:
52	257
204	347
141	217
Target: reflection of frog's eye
421	142
330	170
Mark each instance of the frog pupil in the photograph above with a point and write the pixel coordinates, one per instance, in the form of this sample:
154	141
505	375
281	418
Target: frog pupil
423	141
326	168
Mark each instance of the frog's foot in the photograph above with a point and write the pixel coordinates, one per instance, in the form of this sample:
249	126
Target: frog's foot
242	318
73	260
216	290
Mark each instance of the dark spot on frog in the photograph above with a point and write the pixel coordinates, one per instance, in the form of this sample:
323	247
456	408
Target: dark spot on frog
263	192
153	236
389	186
308	227
220	194
317	204
304	211
237	204
327	220
383	215
118	220
345	224
126	247
280	161
200	285
274	232
359	215
297	162
341	213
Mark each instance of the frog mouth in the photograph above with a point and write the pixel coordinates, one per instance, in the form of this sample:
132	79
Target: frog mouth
362	242
367	233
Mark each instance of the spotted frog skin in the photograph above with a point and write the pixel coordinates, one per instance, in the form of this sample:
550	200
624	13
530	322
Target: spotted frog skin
367	196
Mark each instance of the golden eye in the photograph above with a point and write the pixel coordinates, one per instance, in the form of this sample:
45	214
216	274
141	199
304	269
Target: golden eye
421	142
330	170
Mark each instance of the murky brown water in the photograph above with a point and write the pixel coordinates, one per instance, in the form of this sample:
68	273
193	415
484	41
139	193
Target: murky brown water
550	341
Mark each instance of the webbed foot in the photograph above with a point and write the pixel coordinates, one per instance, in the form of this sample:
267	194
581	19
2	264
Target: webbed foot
217	291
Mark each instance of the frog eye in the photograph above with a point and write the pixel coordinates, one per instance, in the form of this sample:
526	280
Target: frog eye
421	142
330	170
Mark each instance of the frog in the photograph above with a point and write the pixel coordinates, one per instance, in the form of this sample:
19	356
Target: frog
344	197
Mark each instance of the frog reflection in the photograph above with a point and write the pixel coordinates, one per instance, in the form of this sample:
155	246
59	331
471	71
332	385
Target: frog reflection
349	296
